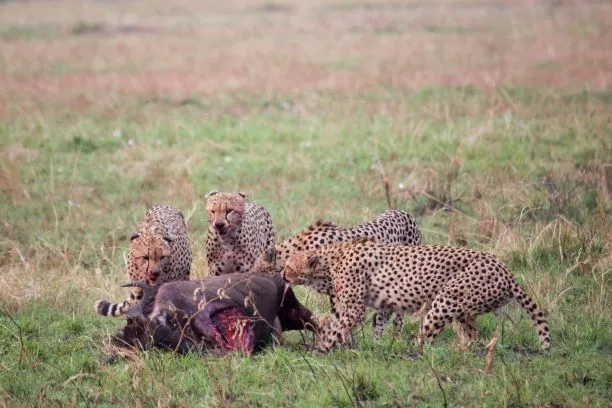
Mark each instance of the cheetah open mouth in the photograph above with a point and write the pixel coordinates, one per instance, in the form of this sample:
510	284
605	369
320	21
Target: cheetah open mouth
152	278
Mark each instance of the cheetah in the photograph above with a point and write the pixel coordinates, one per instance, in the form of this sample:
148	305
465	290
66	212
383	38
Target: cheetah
459	284
390	227
159	252
238	232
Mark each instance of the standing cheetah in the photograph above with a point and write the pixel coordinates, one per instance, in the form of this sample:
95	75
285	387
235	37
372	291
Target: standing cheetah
459	283
390	227
238	232
159	252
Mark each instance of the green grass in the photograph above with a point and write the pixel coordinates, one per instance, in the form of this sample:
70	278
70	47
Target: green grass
491	141
82	186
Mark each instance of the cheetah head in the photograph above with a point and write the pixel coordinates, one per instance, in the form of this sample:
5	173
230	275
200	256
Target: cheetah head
225	211
303	268
148	255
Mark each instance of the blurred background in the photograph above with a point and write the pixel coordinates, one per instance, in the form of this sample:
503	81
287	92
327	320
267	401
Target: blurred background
100	54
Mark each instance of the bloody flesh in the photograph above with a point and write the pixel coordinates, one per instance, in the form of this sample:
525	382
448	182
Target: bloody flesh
234	329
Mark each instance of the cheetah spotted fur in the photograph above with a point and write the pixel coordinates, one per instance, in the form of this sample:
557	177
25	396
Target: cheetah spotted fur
238	232
159	252
390	227
459	284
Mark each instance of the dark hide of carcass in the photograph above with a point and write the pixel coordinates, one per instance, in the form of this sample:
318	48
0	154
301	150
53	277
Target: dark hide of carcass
214	315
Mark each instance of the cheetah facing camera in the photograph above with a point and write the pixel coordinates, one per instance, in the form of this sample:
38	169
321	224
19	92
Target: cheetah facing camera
159	252
238	232
390	227
458	283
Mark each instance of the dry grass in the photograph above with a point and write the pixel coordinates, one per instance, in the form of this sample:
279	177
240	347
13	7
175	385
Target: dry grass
106	52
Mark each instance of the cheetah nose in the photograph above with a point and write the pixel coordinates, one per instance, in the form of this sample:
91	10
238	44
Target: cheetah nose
154	275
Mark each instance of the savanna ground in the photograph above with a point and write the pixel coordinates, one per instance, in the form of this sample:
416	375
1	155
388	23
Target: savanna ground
487	120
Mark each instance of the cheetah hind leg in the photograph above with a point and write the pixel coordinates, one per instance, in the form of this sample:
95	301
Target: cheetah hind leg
418	316
465	328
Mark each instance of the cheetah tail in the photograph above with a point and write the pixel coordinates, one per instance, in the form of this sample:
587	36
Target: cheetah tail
108	309
536	315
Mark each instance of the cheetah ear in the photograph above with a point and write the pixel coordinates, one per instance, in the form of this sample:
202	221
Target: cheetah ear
270	255
134	236
313	261
211	193
243	195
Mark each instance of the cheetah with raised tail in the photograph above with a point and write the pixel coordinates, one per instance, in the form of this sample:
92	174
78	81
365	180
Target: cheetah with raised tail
459	284
390	227
238	232
159	252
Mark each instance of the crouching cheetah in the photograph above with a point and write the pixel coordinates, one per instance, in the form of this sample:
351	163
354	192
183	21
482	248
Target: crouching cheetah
459	283
390	227
238	232
159	252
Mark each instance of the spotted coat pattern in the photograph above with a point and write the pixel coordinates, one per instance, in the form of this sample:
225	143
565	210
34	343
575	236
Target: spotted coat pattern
458	283
238	232
159	252
390	227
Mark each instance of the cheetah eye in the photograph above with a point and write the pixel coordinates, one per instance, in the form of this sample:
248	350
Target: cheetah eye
146	257
229	211
161	258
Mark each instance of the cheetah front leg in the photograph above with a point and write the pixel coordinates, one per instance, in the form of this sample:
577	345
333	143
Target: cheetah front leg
350	311
332	302
328	335
381	317
339	329
398	323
